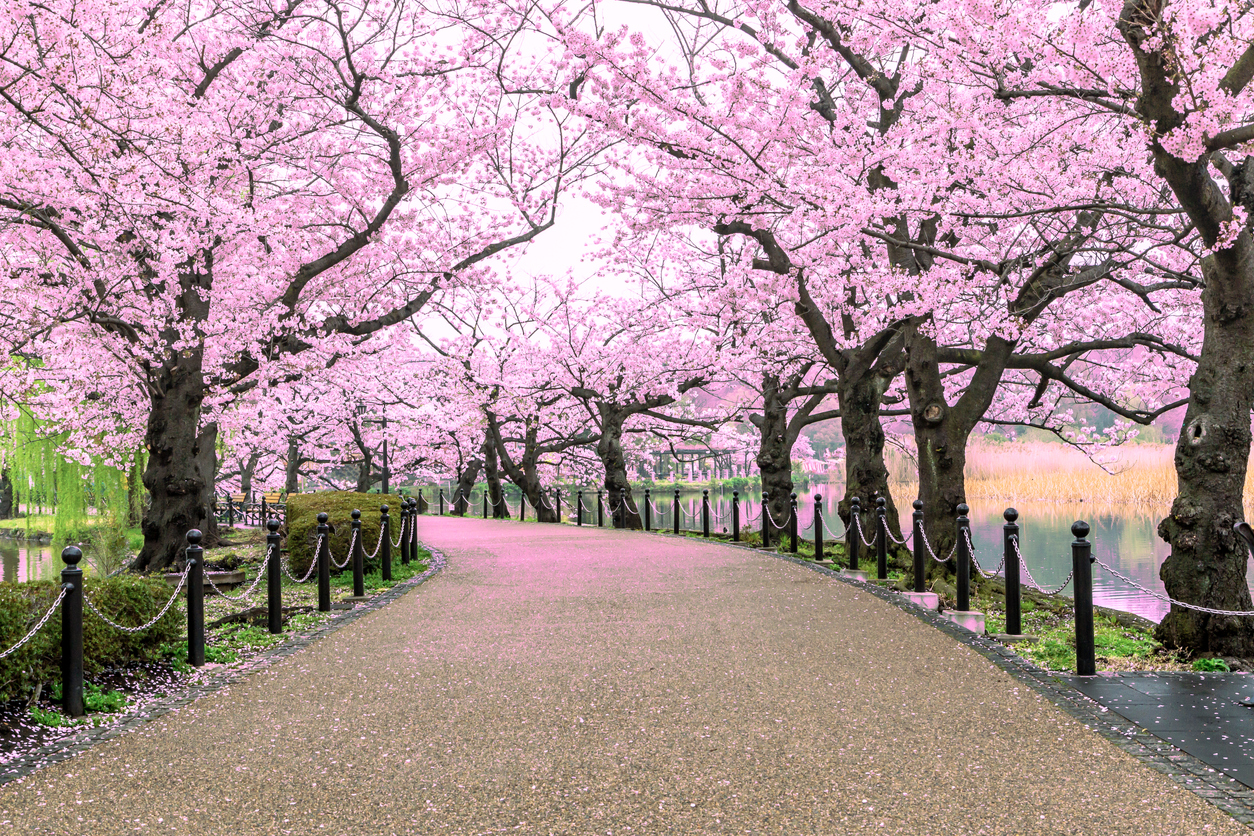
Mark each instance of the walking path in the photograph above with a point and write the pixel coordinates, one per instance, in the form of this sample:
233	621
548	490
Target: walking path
554	680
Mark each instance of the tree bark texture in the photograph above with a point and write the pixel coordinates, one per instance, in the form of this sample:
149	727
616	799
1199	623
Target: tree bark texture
627	513
774	457
491	474
1207	563
6	495
465	483
181	459
291	483
866	474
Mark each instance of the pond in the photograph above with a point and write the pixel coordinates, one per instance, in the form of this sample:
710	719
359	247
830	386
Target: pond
22	560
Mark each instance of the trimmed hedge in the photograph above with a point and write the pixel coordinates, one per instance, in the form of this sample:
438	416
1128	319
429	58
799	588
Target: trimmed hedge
302	525
127	599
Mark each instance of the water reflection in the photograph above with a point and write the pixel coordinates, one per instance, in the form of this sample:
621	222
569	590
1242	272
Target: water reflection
21	560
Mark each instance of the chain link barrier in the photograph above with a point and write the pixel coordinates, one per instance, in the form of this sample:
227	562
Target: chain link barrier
40	625
248	592
352	541
927	544
401	539
1023	564
771	517
150	622
974	560
313	564
1167	598
857	525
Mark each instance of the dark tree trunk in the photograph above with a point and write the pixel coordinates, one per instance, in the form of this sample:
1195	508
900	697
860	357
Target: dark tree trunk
6	496
866	475
465	483
246	473
134	494
291	483
617	485
1207	563
492	476
941	432
525	473
181	459
365	473
774	457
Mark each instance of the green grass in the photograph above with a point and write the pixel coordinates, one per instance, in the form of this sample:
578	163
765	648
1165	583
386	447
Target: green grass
1211	665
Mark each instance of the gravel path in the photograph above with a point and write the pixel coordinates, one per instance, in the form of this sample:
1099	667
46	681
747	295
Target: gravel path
561	681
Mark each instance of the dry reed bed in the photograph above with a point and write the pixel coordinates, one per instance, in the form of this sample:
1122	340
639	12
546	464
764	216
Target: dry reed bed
1141	474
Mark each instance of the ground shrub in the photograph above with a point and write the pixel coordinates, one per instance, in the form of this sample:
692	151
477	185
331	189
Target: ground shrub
127	599
302	525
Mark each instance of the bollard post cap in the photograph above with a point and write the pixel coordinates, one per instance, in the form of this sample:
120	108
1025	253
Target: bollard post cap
918	505
383	509
322	519
706	492
963	509
880	502
356	515
71	555
818	497
272	525
194	537
1080	529
853	500
764	494
735	494
1010	515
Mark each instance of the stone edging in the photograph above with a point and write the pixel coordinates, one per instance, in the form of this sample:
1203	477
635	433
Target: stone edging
84	740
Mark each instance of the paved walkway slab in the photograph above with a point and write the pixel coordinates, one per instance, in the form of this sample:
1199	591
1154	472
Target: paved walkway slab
554	680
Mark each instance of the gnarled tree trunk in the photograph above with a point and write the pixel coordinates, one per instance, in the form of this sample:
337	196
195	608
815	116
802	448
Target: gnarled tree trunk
626	511
866	475
181	460
465	483
774	457
491	474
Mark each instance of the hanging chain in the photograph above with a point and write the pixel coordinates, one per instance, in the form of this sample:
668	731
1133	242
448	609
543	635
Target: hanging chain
927	544
857	525
903	540
971	551
352	540
778	526
147	624
248	592
1023	564
39	626
313	564
377	546
1162	597
400	539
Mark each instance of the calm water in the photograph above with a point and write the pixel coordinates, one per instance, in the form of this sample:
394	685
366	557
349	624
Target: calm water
23	561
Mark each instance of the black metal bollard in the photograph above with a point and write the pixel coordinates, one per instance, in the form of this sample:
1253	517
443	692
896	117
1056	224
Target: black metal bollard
600	510
441	502
230	511
485	503
404	528
964	559
324	564
735	516
1014	595
557	501
274	579
792	523
648	510
853	543
195	599
766	519
385	543
818	526
358	557
1082	565
72	633
578	507
881	538
413	535
421	501
705	513
920	573
265	512
678	512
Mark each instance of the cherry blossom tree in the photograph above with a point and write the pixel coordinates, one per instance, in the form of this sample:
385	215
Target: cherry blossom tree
191	199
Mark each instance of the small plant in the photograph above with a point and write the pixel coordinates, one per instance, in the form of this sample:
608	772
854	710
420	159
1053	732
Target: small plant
94	698
49	717
1211	665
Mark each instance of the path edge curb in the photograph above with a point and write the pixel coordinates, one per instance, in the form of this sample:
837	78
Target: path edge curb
63	750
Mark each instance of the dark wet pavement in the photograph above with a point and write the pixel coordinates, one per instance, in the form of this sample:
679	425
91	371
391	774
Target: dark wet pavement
1208	715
